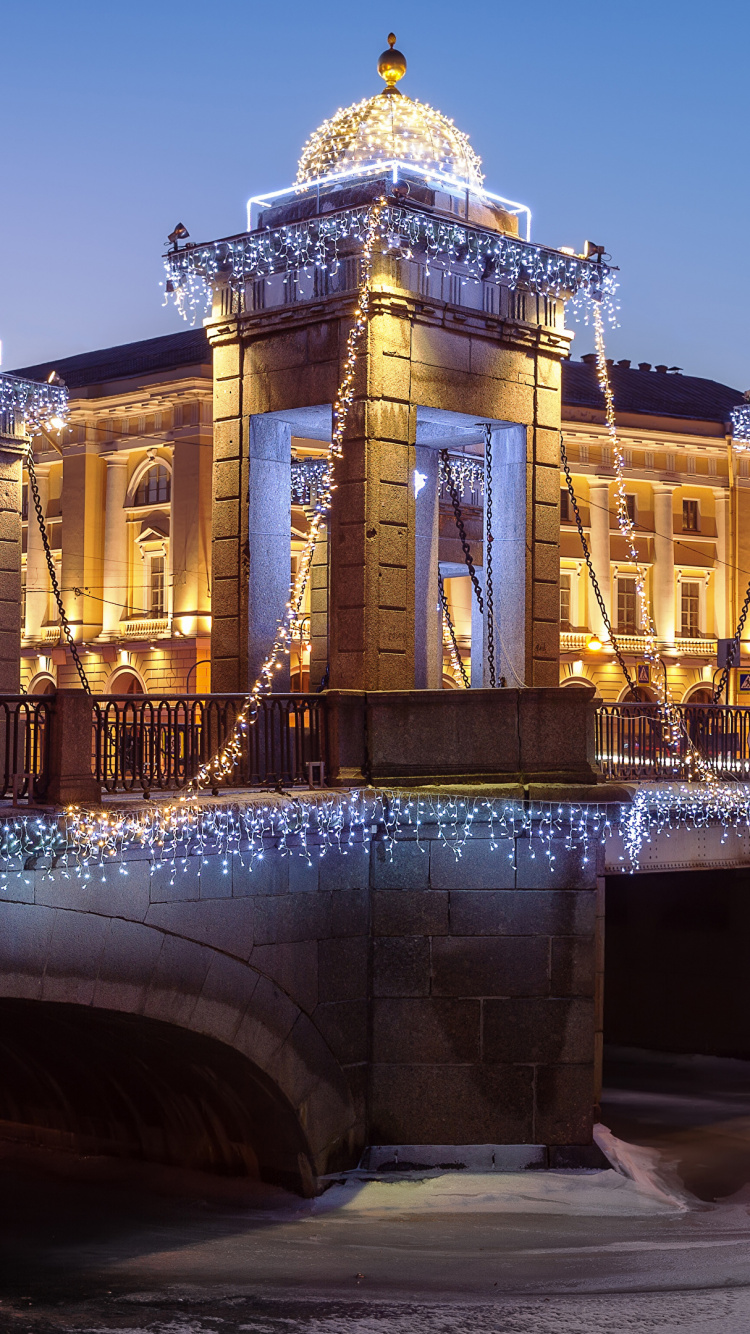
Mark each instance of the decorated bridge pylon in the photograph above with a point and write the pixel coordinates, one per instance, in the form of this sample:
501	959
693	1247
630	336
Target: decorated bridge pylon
460	349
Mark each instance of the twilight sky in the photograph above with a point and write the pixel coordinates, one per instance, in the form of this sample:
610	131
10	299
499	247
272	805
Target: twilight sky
625	122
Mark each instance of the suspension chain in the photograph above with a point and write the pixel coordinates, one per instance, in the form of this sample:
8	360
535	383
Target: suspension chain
450	482
733	646
488	558
51	567
452	631
590	567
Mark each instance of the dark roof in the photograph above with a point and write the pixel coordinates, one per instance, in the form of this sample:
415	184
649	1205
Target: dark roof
653	393
117	363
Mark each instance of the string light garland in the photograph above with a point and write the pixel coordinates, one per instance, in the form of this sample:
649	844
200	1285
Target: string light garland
741	427
90	844
320	243
32	405
223	762
671	721
385	128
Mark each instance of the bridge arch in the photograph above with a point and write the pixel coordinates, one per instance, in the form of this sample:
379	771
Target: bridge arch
120	1037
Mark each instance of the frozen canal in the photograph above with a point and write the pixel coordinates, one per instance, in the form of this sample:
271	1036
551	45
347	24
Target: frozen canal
96	1246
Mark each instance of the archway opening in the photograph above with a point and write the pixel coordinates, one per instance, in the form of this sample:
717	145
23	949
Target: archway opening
676	1072
101	1082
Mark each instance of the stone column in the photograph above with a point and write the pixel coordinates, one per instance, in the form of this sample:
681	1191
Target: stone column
505	547
721	570
372	622
269	527
600	555
190	532
115	567
477	635
319	581
37	573
229	669
10	566
663	574
427	637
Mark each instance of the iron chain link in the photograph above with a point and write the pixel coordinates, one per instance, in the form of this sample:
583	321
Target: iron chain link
451	630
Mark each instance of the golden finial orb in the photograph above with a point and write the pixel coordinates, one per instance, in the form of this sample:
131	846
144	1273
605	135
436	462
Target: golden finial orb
391	65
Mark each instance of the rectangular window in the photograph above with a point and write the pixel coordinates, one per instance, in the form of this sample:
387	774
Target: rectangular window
25	501
156	585
690	516
565	600
565	507
691	605
630	507
627	606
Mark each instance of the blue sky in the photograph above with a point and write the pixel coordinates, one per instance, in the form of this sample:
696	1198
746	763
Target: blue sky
625	122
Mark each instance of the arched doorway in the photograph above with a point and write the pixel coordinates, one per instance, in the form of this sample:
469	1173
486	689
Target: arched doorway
42	684
126	681
638	695
702	694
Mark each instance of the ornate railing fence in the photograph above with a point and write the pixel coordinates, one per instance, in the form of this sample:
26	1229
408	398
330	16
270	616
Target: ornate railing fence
146	743
631	743
24	745
143	743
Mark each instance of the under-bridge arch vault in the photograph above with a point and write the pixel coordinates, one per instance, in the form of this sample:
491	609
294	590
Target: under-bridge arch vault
157	1038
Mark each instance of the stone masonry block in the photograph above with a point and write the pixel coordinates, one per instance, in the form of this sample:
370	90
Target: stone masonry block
342	969
389	376
76	947
547	484
393	503
393	544
425	1032
343	1024
548	407
404	866
392	631
568	870
527	912
345	870
126	966
293	966
226	399
547	522
388	421
224	924
226	994
401	966
393	591
175	882
227	440
573	966
225	517
292	917
488	358
116	895
349	912
545	1030
439	347
227	479
226	360
547	447
400	912
177	981
546	559
546	601
479	866
26	934
564	1104
396	463
451	1104
490	966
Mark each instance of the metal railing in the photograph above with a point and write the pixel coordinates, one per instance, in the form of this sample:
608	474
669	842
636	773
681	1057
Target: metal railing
24	745
631	741
145	743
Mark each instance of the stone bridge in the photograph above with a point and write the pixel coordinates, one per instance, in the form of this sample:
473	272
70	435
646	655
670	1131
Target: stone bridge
278	1019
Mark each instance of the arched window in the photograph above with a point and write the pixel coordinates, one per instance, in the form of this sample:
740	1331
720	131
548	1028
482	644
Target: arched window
155	487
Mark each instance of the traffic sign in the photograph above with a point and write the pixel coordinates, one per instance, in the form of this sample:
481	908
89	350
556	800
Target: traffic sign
644	674
745	683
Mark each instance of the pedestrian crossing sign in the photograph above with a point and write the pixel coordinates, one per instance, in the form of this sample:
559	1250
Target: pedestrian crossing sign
745	683
644	674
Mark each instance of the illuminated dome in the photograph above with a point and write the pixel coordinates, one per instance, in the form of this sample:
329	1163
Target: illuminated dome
390	128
